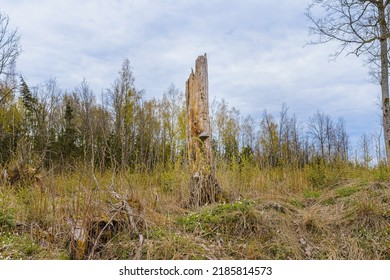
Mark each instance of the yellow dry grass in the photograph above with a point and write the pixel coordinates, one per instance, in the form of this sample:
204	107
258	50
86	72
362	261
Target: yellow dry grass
264	214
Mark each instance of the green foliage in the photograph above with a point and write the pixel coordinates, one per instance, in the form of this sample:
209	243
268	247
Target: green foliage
279	251
69	134
311	193
247	155
31	107
23	246
10	130
28	100
7	218
297	203
269	140
347	191
125	131
381	173
322	175
168	181
7	211
222	219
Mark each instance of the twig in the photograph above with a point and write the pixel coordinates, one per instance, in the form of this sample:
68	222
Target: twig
128	208
139	250
130	215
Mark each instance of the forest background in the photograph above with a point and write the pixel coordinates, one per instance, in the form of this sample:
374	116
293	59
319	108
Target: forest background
74	161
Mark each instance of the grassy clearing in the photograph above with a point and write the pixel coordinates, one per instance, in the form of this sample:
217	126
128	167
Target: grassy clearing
265	214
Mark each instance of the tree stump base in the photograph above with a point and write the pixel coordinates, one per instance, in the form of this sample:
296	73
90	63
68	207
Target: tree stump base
204	190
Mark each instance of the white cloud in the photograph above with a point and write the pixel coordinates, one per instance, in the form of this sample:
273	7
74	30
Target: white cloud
255	52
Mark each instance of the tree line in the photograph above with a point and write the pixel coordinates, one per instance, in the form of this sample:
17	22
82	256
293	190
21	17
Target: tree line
56	128
60	129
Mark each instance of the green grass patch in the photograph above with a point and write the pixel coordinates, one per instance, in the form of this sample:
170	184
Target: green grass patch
17	246
311	193
229	218
347	191
297	203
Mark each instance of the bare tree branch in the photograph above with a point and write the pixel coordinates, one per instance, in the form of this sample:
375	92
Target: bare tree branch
9	45
361	27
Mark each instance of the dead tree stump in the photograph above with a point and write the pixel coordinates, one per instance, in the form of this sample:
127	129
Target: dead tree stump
204	187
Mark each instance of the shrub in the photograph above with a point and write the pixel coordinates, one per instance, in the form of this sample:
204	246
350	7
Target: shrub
322	175
7	212
7	218
381	173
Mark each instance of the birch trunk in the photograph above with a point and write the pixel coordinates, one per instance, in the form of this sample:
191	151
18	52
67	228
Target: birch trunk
384	78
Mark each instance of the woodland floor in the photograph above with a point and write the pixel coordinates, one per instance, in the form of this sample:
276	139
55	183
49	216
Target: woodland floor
309	213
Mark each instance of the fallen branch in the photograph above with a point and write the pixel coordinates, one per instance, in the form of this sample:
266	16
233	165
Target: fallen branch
130	214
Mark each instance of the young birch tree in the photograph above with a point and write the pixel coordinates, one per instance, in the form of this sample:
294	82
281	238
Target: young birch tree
361	27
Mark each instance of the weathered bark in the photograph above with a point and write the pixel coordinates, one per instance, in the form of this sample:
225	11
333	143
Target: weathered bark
204	187
384	78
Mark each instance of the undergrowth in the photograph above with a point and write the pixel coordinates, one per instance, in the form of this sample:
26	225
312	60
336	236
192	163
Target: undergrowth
278	213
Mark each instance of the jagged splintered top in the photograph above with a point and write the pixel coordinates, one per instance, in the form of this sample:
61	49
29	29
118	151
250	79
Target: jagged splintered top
200	65
201	62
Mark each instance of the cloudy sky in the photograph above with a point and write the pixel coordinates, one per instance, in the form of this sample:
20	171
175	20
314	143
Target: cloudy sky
257	53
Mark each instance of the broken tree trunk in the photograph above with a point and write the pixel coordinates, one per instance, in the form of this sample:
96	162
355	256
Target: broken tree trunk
204	187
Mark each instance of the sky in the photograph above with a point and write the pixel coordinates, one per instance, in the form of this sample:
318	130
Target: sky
257	51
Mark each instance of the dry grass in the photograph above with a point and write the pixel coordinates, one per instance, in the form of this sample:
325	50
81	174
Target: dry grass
265	214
